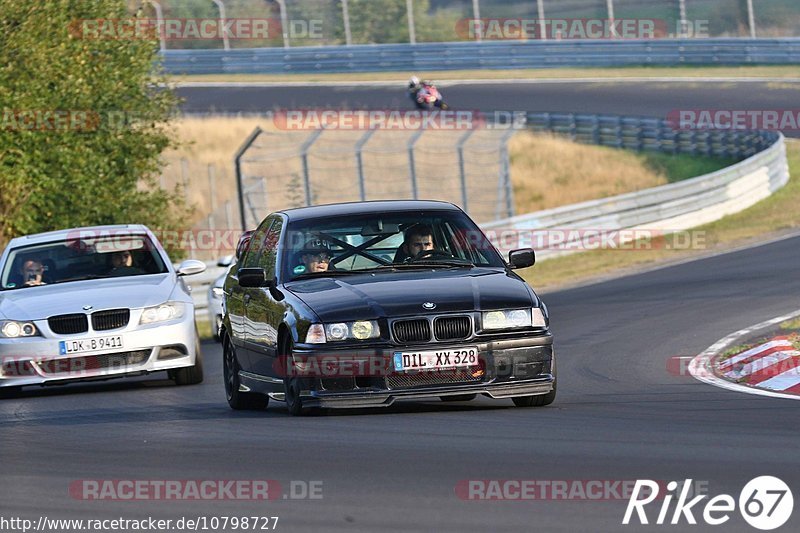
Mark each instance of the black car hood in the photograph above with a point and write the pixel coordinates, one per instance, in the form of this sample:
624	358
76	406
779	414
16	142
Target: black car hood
393	294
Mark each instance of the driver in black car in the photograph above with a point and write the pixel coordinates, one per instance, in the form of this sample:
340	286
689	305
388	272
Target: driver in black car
416	240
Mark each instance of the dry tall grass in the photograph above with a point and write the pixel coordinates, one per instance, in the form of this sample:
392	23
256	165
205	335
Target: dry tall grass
549	171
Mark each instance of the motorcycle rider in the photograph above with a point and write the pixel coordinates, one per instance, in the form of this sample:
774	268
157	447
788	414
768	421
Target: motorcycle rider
417	86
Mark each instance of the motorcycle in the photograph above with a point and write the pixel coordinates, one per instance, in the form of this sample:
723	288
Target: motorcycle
427	97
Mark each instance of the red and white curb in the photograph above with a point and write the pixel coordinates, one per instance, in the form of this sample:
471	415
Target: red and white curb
770	369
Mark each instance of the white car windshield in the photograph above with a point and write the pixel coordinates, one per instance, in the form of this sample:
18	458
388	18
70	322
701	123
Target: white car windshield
69	260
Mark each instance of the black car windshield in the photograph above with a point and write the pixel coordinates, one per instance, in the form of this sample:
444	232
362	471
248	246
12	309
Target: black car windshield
385	242
77	259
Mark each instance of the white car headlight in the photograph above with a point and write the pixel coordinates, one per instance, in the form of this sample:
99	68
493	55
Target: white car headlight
162	313
217	292
513	318
340	331
13	329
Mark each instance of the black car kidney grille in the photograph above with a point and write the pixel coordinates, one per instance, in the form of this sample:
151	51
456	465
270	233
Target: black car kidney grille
452	327
417	330
111	319
68	324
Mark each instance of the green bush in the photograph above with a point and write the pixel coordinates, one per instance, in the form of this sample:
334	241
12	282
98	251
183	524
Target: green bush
98	165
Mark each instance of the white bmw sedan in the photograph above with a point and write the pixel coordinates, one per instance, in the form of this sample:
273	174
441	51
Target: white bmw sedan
94	303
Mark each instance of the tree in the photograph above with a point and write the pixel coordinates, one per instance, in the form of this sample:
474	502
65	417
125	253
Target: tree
82	120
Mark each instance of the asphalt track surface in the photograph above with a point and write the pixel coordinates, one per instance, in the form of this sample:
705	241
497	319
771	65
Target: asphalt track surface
619	415
652	99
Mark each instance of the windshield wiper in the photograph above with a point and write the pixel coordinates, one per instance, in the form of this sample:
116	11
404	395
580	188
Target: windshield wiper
327	273
425	265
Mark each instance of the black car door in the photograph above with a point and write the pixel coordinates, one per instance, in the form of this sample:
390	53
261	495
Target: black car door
239	296
263	312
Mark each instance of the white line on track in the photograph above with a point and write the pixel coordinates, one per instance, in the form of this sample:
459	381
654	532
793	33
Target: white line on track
499	81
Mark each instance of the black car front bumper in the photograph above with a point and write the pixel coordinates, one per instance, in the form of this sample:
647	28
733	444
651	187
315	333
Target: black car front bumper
509	368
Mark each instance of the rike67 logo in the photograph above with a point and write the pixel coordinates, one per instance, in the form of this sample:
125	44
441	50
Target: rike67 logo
765	503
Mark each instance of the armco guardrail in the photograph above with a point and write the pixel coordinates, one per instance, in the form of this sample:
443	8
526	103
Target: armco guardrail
665	209
484	55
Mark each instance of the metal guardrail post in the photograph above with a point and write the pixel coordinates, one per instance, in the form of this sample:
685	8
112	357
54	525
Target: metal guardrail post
225	42
284	22
212	187
162	42
412	32
542	21
504	181
684	24
348	37
360	163
240	176
412	167
476	16
304	156
610	10
462	174
751	19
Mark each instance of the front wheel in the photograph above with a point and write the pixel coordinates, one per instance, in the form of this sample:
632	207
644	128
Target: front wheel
292	385
237	399
539	400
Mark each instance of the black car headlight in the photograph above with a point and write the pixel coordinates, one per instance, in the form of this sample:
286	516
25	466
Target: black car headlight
514	319
13	329
342	331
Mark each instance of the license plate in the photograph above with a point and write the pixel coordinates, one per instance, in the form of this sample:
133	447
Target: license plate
94	344
431	359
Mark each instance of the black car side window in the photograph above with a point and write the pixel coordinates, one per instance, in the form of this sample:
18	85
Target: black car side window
256	245
269	253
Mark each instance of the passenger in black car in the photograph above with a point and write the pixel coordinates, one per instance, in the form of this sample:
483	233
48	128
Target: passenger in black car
316	255
417	239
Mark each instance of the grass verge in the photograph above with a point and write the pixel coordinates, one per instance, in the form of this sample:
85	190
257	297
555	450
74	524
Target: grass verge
534	74
203	328
772	216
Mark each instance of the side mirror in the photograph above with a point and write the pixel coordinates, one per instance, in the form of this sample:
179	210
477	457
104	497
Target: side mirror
191	267
252	277
225	261
522	258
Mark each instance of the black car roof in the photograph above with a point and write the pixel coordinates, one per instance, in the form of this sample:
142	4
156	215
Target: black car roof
358	208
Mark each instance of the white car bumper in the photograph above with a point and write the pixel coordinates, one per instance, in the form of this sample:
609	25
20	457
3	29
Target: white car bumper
144	349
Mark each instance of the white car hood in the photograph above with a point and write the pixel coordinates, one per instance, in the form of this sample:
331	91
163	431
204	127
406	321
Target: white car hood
36	303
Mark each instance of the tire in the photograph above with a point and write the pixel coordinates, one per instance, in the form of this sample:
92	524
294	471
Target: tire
237	399
292	385
7	393
191	375
539	400
458	398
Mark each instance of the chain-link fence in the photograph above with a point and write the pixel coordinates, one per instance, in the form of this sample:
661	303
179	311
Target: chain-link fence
290	23
281	170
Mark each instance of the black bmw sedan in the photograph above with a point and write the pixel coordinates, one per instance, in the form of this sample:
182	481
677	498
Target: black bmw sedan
362	304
